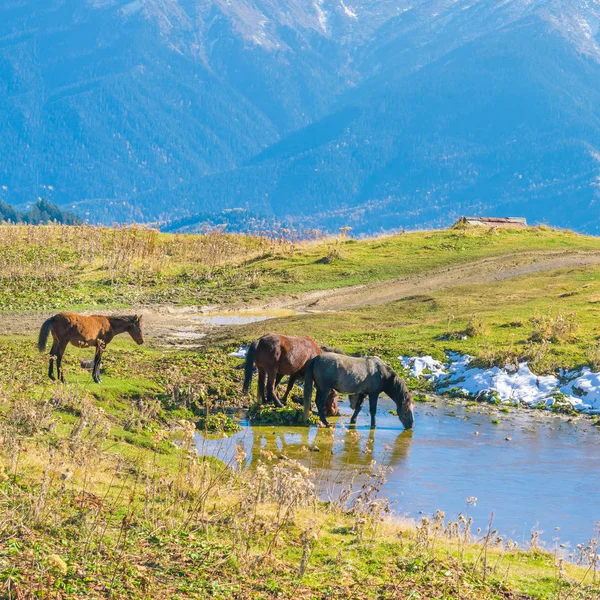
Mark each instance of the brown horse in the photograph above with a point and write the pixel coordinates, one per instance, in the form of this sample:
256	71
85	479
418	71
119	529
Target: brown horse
277	355
85	332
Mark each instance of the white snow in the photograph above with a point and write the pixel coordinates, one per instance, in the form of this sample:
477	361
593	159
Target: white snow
240	352
520	385
131	8
418	364
321	15
349	12
585	388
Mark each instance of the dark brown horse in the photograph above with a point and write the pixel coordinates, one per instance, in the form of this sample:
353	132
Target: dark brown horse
95	331
277	355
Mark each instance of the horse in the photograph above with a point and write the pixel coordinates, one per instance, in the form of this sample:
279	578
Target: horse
85	332
277	355
359	377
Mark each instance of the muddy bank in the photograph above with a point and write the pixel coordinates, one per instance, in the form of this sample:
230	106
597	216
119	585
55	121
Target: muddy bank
180	327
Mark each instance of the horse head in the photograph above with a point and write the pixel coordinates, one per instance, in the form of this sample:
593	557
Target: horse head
403	398
135	329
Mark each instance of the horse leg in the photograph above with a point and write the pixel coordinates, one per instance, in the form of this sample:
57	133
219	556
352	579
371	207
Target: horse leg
321	397
262	376
290	385
59	356
97	359
373	408
357	406
53	352
278	379
271	397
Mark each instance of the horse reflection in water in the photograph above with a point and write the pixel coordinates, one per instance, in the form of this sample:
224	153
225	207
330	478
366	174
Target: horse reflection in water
332	451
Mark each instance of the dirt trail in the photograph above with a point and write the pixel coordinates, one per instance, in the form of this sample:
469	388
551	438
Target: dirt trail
486	270
188	326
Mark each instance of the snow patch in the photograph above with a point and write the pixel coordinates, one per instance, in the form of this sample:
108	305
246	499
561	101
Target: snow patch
131	8
512	383
586	389
321	15
241	352
417	365
349	12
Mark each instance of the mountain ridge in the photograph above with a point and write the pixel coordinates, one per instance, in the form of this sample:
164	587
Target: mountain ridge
317	113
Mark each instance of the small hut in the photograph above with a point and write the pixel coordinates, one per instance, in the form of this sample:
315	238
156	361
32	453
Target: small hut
493	221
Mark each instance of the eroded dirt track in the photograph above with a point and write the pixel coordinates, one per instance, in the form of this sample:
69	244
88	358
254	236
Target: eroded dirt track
187	326
481	271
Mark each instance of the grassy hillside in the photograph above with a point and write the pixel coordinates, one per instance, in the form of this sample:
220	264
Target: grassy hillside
552	319
56	267
102	493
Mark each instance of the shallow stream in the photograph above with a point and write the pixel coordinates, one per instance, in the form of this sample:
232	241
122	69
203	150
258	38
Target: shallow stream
544	477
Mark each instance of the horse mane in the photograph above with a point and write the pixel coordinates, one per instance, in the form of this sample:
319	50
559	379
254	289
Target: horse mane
397	383
334	350
126	318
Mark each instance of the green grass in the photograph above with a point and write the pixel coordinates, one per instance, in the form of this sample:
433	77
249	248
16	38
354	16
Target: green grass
53	267
419	325
225	269
139	515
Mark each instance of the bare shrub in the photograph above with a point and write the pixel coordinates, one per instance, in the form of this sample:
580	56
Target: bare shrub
558	329
593	356
28	416
476	327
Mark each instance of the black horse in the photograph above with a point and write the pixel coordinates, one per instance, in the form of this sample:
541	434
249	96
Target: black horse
358	377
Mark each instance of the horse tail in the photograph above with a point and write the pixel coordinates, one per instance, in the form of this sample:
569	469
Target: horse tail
308	386
44	332
249	366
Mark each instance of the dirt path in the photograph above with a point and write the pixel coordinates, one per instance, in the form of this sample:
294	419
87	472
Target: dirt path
188	326
486	270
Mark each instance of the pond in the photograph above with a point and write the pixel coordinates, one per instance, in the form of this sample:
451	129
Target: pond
544	477
242	317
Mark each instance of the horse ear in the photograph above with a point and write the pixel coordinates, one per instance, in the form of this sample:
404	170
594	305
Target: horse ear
139	318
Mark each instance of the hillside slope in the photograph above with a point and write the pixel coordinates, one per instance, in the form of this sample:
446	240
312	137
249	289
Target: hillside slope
108	106
507	124
319	114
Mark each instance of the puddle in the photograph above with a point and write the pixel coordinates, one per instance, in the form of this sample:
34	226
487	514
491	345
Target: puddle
242	317
543	478
184	328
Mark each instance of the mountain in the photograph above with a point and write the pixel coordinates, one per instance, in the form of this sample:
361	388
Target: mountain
319	114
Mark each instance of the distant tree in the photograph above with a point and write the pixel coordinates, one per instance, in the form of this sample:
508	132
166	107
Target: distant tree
8	213
45	212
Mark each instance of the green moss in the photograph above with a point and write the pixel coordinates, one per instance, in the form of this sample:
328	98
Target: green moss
290	414
217	423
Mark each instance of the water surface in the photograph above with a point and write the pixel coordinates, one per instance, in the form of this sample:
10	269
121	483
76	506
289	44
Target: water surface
543	478
242	317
